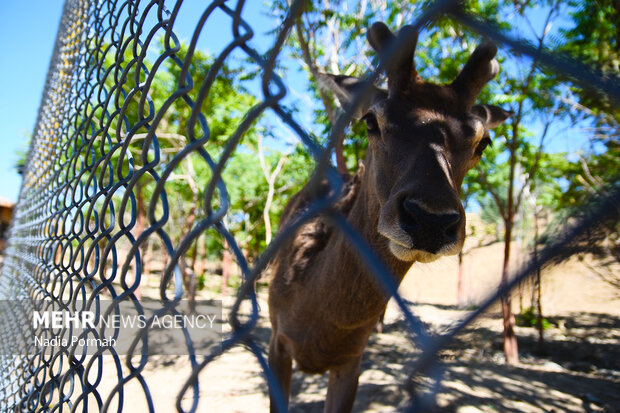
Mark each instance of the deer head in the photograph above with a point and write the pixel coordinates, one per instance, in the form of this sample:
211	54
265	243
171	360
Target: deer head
423	138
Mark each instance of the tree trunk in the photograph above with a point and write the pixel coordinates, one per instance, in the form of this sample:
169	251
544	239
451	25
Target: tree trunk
140	224
310	60
511	349
146	259
460	299
195	255
190	283
270	177
520	289
189	277
341	162
227	263
164	254
199	265
539	316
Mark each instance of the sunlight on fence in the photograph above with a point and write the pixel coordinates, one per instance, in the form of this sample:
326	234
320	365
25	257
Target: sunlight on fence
100	192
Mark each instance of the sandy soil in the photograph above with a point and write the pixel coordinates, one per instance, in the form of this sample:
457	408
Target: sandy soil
577	371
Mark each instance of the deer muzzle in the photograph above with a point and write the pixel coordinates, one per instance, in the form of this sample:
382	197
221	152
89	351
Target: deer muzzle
417	233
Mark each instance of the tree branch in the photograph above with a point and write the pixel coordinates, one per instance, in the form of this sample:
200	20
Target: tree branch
271	181
309	60
534	168
494	195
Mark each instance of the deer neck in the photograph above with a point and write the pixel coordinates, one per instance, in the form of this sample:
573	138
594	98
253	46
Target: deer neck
364	217
346	276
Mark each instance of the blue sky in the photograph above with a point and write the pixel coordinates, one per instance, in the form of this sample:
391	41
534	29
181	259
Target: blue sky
27	35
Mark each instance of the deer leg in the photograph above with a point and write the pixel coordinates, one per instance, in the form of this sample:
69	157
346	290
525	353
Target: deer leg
380	325
342	387
281	365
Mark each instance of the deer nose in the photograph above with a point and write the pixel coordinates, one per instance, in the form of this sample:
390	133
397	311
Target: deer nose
429	231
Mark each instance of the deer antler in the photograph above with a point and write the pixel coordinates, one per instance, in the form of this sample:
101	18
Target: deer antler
400	69
480	68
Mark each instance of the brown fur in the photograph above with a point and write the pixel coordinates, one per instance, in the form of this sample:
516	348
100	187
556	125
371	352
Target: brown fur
323	301
308	264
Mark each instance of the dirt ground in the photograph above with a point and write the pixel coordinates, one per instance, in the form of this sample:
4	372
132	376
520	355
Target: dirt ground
577	371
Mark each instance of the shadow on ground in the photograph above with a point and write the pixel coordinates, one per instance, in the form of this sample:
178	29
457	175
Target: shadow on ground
578	370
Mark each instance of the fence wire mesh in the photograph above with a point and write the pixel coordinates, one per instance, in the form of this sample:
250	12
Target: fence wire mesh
77	231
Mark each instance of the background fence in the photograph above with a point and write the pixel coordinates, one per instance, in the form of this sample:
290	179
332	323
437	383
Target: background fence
77	230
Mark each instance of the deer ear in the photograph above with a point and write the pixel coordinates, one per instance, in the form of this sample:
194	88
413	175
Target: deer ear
492	116
345	88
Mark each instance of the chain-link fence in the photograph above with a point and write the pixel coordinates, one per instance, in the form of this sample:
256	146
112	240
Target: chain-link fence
81	226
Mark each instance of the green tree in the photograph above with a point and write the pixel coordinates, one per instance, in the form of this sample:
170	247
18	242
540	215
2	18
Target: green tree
127	82
533	99
593	37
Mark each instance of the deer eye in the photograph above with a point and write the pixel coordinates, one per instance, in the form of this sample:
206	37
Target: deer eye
371	123
484	142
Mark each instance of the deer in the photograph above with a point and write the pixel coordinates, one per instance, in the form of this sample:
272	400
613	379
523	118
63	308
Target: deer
404	201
